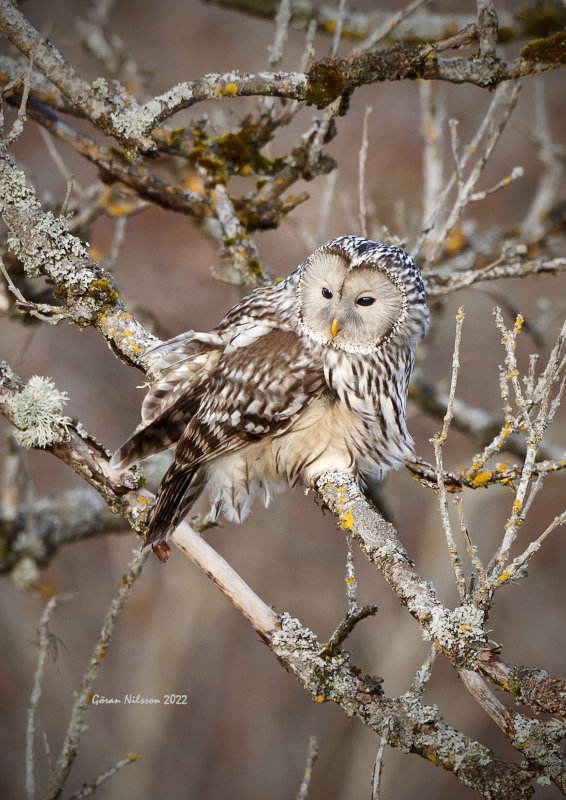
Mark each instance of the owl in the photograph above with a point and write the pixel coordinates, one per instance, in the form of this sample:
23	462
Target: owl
306	376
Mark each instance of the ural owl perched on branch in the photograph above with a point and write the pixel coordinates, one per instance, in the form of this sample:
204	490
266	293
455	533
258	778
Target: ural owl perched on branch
298	378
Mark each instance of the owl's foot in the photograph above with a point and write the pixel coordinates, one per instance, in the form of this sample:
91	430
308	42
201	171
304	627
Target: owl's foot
162	551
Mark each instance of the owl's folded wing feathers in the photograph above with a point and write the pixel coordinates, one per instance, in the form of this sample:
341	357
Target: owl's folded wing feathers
256	391
181	370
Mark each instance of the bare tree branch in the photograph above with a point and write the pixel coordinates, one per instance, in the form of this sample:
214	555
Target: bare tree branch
421	26
108	112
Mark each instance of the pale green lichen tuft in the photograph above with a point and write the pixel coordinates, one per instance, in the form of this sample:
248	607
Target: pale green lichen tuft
37	413
25	574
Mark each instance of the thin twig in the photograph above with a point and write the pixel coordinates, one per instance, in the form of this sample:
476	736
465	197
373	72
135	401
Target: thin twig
535	426
477	564
68	192
488	24
88	789
438	442
338	29
552	158
345	628
460	316
43	650
424	673
433	114
378	766
76	725
57	159
516	566
439	285
42	311
516	172
503	103
18	126
312	755
388	26
362	173
324	209
282	19
117	242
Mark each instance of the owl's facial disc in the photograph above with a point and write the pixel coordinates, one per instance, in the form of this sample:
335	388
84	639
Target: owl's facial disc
352	308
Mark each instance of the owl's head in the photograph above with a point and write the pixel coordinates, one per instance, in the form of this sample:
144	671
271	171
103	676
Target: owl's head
355	294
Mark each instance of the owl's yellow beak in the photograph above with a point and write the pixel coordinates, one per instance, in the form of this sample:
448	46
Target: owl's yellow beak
334	328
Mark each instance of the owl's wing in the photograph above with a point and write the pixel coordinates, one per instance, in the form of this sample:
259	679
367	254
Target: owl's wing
255	391
180	370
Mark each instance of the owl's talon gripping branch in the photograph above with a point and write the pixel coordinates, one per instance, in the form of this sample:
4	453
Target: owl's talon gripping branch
162	551
297	379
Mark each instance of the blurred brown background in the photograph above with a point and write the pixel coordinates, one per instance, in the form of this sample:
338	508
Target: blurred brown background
245	729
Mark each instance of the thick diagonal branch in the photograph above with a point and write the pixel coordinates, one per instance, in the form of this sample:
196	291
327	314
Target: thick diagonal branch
45	247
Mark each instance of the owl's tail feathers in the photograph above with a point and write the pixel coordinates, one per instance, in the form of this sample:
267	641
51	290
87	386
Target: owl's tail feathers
159	435
179	489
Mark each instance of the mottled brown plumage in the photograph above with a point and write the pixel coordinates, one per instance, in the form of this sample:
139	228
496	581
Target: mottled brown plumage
299	378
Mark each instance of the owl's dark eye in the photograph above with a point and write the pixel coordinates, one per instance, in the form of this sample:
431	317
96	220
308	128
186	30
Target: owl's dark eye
326	293
365	301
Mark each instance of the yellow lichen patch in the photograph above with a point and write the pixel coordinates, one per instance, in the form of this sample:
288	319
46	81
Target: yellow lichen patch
482	478
347	520
350	581
133	756
455	241
319	698
121	209
517	506
504	577
89	697
502	467
193	183
45	591
231	90
519	323
218	91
